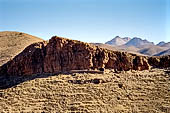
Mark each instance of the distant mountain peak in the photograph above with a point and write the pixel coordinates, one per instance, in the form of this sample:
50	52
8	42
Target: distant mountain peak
137	38
166	45
117	37
117	41
127	38
161	43
166	52
138	42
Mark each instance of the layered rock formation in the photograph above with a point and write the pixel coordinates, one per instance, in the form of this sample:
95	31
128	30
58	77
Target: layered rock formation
63	55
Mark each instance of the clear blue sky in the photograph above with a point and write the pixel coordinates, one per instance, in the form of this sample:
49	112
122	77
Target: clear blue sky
88	20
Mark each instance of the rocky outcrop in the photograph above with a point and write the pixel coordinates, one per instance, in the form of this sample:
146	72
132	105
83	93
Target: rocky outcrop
160	62
63	55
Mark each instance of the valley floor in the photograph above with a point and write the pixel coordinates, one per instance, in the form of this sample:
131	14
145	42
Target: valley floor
125	92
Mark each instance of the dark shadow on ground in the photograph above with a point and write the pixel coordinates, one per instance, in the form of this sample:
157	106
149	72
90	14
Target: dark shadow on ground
12	81
167	71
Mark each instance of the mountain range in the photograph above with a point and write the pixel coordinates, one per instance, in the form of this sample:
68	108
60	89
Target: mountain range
137	45
118	41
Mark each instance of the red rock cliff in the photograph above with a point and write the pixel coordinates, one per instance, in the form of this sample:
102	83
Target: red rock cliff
61	55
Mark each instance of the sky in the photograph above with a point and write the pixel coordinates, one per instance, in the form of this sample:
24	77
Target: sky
88	20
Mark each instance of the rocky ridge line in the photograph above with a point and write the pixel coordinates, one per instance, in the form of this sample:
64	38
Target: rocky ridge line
63	55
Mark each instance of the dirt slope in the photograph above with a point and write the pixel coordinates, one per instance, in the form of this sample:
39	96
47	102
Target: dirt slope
166	52
130	92
129	49
152	50
12	43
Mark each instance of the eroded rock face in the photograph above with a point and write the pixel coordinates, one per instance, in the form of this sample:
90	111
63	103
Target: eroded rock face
140	63
62	55
160	62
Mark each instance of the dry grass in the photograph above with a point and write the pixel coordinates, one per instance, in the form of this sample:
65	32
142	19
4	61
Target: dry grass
12	43
126	92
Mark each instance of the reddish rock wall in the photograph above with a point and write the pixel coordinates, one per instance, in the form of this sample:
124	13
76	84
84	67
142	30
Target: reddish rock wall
61	55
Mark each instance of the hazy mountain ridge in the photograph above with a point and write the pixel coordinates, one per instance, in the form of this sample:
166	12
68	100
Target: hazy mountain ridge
160	43
139	46
166	45
117	41
166	52
138	42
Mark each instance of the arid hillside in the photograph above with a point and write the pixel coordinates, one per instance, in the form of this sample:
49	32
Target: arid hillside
124	92
12	43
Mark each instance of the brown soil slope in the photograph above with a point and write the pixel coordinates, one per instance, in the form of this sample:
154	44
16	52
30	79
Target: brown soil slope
12	43
130	92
